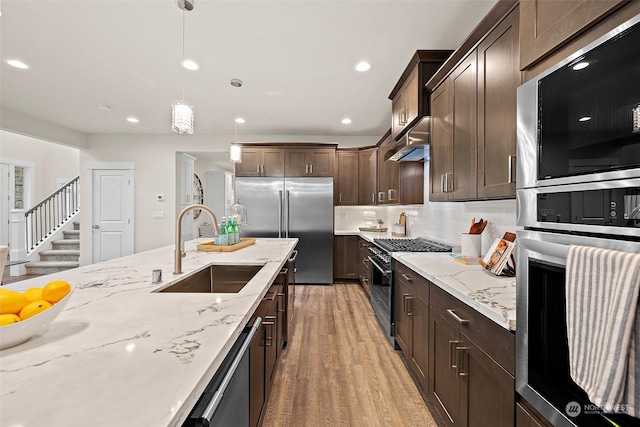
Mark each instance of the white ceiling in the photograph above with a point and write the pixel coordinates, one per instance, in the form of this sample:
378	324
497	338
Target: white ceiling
296	59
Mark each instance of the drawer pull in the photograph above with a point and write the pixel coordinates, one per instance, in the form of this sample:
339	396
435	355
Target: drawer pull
457	318
407	277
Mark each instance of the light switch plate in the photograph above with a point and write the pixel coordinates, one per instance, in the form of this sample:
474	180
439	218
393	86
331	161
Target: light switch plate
158	214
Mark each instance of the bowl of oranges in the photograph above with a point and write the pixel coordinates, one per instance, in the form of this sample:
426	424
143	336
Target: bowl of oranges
23	314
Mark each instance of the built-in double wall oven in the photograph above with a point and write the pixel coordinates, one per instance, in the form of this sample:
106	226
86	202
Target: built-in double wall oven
578	184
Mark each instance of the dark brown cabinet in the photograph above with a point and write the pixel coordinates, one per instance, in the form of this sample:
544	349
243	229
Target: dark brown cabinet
388	174
546	26
411	308
261	161
364	264
498	79
265	347
367	176
409	98
453	160
471	379
411	183
525	417
345	257
346	181
305	162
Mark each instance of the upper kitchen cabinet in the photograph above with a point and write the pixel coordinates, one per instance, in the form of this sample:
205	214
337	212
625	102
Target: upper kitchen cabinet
261	161
548	25
388	174
367	174
346	178
305	162
409	98
473	109
498	79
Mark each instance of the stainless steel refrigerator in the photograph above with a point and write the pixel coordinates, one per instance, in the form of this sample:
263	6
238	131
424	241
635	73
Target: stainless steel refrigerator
293	207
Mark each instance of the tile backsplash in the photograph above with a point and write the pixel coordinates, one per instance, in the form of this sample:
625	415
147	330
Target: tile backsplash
441	221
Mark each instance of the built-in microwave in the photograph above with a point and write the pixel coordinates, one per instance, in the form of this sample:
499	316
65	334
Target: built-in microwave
579	121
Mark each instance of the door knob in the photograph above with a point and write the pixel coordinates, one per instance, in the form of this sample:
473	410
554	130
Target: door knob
95	227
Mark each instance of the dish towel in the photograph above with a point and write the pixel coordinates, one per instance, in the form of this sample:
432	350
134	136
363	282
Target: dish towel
603	326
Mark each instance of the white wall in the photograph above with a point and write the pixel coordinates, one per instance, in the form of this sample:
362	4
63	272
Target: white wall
51	160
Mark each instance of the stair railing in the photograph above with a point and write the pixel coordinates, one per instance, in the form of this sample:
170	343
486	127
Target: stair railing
48	215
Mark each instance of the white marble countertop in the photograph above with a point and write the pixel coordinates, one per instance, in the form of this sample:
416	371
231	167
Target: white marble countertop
493	296
122	355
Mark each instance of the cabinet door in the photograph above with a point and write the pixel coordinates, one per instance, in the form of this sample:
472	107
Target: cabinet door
364	266
271	352
401	302
397	115
411	183
444	386
367	176
345	257
411	92
487	390
272	160
257	391
419	314
321	162
251	162
296	163
524	418
547	25
440	141
462	182
346	178
498	80
382	171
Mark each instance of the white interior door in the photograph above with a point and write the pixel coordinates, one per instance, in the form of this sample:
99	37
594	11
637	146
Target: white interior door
4	204
112	225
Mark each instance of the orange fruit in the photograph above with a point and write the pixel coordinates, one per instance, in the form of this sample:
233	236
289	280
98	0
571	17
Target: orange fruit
8	319
34	308
12	302
33	294
56	290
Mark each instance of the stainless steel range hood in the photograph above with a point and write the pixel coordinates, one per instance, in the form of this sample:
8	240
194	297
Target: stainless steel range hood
414	145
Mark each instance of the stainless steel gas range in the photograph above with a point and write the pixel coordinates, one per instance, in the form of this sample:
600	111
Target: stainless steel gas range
381	274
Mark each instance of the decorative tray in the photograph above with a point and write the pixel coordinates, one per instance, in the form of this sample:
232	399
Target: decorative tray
381	230
211	247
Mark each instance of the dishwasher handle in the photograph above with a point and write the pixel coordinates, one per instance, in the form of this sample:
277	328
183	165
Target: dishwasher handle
217	397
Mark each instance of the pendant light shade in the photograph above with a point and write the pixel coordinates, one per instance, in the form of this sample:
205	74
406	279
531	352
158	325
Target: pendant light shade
235	150
182	116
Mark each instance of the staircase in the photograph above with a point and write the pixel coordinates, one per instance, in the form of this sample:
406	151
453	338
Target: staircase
64	254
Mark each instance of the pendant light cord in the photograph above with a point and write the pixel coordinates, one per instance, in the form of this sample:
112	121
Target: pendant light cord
182	63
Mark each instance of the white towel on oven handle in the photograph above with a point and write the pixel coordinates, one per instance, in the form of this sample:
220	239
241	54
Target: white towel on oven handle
603	326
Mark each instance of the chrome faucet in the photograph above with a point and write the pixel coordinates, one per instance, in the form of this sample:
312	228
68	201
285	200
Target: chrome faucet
178	253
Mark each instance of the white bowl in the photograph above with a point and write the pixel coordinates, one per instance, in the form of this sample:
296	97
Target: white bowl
22	331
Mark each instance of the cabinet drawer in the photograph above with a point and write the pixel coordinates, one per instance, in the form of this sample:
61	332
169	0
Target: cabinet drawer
418	284
496	341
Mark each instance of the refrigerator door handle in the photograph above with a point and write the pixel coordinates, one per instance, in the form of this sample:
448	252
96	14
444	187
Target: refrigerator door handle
280	215
286	230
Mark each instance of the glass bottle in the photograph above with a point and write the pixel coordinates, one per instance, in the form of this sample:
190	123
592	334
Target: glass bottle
236	230
224	237
230	235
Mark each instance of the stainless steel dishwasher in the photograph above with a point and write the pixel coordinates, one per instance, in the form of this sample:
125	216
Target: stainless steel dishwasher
225	401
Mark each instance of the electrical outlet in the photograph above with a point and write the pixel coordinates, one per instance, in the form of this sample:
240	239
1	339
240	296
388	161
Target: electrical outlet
343	215
158	215
494	225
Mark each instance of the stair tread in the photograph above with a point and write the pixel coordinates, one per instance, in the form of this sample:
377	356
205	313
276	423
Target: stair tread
60	252
74	232
67	242
52	264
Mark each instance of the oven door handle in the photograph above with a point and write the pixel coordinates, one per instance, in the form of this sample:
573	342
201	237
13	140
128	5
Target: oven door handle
552	249
386	273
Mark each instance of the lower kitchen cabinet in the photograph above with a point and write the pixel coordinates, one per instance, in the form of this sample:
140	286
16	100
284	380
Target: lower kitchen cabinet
265	347
411	308
363	265
468	386
345	257
525	417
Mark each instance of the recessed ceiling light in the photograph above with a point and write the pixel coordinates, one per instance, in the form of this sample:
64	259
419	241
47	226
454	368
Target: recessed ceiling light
580	66
132	120
240	120
363	66
346	121
18	64
584	119
190	64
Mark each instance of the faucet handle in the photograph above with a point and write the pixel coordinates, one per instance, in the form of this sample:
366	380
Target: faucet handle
183	254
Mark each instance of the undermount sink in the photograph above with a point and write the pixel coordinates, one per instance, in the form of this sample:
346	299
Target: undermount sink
225	279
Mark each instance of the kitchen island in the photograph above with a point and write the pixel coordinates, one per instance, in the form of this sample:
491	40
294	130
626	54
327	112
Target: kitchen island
121	354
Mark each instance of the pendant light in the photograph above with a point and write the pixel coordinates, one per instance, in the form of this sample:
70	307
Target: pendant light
182	114
235	151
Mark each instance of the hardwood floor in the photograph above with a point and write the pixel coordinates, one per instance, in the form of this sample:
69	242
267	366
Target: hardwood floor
339	369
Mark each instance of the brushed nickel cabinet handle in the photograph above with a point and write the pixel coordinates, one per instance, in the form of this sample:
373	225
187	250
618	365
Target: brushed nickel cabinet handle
457	318
311	169
442	190
263	171
410	306
281	295
381	196
453	364
306	169
511	159
373	198
340	198
258	169
404	302
407	277
463	356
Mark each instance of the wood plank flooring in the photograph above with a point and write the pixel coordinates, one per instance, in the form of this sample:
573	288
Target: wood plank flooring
339	369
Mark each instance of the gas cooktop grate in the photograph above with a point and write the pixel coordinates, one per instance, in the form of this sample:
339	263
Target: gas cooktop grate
411	245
